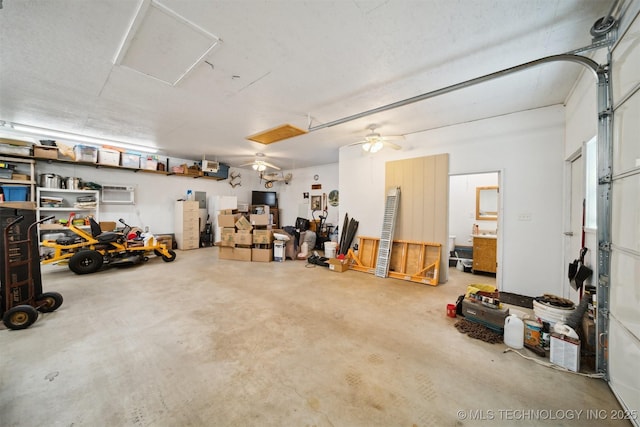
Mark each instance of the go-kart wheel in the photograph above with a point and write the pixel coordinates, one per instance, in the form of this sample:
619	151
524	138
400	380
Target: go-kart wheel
49	301
157	252
170	257
20	317
86	262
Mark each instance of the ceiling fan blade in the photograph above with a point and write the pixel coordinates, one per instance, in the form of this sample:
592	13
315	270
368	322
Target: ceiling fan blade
270	165
393	137
245	164
357	143
392	145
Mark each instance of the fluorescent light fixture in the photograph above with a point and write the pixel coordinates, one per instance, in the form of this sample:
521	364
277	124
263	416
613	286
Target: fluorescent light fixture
43	133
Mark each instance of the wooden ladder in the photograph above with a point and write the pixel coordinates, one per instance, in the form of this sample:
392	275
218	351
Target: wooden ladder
388	227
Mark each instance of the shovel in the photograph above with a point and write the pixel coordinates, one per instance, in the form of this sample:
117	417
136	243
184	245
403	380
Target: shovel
578	272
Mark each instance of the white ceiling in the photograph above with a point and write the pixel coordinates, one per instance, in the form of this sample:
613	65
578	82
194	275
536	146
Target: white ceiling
284	61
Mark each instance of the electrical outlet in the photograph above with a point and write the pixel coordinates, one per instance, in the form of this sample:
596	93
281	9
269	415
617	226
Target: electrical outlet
524	217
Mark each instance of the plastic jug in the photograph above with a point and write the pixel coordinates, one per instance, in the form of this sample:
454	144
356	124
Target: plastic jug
514	332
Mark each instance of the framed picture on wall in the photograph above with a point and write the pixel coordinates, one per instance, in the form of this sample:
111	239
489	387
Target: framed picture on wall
316	203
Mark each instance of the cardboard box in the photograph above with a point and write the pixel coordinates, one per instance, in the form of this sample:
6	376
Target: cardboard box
45	152
262	237
242	254
339	265
261	255
228	220
191	170
165	239
243	224
20	177
226	253
108	226
244	238
227	237
109	157
227	212
565	352
130	160
263	219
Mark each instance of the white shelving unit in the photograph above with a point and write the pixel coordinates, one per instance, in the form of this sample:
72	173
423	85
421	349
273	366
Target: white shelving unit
25	167
68	204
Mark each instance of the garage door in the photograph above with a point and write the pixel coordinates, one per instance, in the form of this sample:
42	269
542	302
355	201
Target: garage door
624	290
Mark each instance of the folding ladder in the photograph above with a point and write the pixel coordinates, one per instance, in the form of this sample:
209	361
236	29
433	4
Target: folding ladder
388	227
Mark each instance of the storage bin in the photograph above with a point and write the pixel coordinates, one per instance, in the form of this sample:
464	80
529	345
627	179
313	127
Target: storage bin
15	193
109	157
86	153
149	163
130	160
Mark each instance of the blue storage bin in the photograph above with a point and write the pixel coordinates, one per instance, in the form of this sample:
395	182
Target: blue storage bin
15	193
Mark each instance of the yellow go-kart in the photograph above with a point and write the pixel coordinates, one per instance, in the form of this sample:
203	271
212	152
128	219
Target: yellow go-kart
87	253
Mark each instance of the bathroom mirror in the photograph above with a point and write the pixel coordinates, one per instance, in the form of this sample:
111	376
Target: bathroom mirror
487	203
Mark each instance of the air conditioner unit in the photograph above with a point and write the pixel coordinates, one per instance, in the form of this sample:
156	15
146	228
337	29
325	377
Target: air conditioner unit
210	166
118	194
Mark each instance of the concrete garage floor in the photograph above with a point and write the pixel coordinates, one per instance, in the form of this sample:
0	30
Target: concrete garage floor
207	342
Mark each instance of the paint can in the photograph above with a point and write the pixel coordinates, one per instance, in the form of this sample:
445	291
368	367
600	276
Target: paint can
451	310
532	330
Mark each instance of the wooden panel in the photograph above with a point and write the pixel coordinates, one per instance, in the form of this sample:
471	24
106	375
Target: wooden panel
410	260
398	257
424	197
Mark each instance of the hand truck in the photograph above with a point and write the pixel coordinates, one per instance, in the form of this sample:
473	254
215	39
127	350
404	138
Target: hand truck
19	305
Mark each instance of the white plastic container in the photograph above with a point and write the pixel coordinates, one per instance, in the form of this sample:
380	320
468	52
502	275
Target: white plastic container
514	332
330	249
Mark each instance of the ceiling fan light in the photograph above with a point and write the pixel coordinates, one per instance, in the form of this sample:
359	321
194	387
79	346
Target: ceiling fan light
255	166
261	168
376	146
367	146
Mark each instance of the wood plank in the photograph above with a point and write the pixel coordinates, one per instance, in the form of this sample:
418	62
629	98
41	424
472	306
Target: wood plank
413	261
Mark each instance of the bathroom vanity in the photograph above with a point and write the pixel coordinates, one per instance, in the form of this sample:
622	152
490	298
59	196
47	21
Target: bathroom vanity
485	253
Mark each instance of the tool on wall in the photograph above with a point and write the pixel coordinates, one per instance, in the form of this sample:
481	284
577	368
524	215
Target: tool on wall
235	179
578	272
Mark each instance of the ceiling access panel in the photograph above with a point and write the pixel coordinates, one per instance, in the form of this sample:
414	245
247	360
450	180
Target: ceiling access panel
164	45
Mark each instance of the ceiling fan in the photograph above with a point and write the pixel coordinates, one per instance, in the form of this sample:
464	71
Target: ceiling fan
259	164
374	142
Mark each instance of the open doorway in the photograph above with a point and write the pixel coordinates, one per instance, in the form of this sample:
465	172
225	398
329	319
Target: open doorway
473	235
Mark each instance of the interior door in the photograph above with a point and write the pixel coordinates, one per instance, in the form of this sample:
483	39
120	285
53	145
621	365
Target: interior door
623	323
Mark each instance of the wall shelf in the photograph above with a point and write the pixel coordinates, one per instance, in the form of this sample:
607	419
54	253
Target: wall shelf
12	157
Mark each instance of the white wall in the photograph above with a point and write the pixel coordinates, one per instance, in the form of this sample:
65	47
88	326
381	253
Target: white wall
527	147
155	193
462	205
292	202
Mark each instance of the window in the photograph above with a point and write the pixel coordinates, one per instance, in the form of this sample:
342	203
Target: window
591	184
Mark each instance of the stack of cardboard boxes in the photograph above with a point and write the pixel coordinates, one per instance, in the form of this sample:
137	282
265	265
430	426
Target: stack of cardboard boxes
246	239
